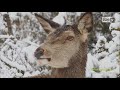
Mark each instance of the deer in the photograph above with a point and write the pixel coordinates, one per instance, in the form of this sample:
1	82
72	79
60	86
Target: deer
65	47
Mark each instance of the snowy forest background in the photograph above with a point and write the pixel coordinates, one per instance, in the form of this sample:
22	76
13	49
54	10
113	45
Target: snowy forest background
21	34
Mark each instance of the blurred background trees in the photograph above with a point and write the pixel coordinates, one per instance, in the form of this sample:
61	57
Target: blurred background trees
21	34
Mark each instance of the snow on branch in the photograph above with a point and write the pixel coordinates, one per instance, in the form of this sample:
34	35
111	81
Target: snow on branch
29	42
13	64
6	36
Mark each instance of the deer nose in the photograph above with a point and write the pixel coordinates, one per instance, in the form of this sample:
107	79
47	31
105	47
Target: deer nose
38	52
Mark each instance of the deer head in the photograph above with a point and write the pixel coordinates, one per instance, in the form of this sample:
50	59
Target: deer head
62	42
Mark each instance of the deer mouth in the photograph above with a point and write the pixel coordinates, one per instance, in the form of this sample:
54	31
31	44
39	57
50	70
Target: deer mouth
48	59
43	61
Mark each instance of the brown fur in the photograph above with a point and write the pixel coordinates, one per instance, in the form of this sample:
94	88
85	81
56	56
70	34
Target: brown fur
66	47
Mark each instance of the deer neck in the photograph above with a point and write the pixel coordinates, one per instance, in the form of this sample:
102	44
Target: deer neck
77	65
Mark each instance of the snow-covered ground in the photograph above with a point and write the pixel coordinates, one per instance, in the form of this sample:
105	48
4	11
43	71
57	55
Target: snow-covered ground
17	51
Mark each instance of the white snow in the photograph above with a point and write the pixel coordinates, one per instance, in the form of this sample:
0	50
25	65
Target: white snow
117	17
78	13
60	18
101	41
107	66
17	56
91	63
116	24
2	26
6	36
14	64
30	53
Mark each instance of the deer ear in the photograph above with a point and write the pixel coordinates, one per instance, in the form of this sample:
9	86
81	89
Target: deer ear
48	25
85	23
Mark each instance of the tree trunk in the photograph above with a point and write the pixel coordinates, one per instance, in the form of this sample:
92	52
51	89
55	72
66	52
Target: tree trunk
7	19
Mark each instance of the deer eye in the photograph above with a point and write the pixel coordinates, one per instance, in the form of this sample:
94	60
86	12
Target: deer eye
55	41
70	38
